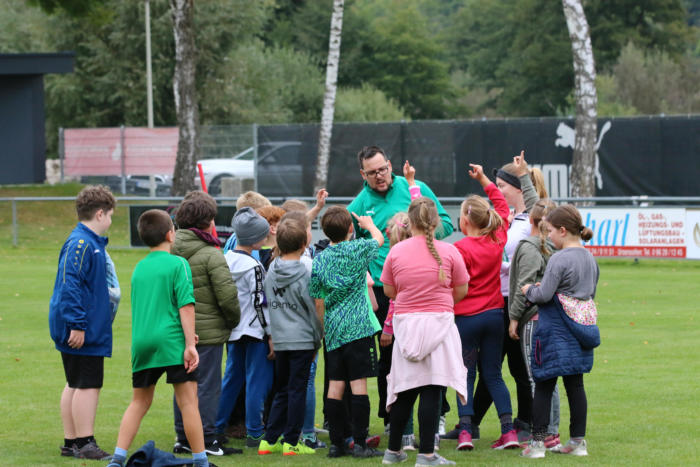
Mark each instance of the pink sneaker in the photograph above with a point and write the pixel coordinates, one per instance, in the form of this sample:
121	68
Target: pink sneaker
507	441
552	441
464	442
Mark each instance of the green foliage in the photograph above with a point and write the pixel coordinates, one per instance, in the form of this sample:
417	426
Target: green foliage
609	104
653	83
366	104
259	84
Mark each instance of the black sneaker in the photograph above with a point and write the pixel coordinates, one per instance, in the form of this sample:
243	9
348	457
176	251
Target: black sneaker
68	451
452	434
253	442
92	451
315	443
216	449
364	452
336	451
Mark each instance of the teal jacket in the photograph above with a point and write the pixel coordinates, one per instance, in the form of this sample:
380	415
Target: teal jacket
382	207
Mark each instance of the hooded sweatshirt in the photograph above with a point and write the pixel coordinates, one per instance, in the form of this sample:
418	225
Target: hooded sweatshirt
249	275
293	320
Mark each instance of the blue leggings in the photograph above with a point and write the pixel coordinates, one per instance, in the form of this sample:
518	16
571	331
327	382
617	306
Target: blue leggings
482	343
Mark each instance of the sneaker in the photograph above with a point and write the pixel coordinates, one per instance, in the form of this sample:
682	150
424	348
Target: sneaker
441	425
408	442
336	451
216	449
524	436
436	444
265	448
391	457
534	450
434	459
114	463
68	451
371	441
464	442
92	451
552	442
506	441
574	448
314	442
360	452
296	450
452	434
181	447
252	441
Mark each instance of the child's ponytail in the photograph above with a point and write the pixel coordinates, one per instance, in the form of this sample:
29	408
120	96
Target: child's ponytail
397	228
479	213
538	212
423	215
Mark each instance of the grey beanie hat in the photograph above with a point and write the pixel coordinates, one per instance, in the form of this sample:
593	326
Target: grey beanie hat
250	227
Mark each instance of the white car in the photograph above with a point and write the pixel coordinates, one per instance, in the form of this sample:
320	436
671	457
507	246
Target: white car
280	169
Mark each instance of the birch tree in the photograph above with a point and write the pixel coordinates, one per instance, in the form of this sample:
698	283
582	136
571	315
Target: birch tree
186	107
584	159
324	137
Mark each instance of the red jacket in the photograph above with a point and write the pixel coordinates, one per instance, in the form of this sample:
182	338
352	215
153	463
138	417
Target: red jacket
483	257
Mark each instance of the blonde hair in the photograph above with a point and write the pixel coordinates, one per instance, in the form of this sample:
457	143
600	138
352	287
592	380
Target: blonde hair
252	199
295	205
423	215
397	229
536	176
538	212
479	213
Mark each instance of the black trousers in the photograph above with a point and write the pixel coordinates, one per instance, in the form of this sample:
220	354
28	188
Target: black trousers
578	406
428	415
384	364
292	368
518	370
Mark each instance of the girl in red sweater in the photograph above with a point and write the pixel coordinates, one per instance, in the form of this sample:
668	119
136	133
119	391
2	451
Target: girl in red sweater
479	317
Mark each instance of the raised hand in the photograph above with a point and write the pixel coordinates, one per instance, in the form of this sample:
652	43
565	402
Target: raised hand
410	173
520	164
321	197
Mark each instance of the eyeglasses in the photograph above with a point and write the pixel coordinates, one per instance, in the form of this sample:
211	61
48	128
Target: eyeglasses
374	173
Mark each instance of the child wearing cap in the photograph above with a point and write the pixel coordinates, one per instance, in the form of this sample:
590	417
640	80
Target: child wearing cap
249	347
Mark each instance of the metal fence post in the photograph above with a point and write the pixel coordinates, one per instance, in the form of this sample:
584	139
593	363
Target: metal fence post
14	222
122	154
255	155
61	151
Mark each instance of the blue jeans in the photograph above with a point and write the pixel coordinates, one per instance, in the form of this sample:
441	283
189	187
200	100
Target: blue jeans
310	413
246	363
482	343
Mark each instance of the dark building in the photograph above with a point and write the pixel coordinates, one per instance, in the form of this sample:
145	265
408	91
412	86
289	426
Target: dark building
22	139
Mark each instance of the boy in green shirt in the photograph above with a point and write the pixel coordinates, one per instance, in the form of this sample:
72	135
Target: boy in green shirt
163	338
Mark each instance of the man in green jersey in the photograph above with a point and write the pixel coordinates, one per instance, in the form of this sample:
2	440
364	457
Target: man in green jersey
383	195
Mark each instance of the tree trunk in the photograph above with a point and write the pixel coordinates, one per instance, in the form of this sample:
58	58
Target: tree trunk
584	161
186	106
324	137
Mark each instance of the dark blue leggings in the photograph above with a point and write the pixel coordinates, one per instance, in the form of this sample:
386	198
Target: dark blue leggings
482	342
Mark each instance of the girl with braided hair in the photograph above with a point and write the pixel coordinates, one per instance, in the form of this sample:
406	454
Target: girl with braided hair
479	317
424	277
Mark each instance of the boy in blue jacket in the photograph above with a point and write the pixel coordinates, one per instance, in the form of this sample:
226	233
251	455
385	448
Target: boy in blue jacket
80	320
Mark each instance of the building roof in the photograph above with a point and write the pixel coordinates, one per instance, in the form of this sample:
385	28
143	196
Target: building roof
36	63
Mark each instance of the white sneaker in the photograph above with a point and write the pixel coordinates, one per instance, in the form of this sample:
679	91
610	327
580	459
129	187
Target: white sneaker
435	459
574	448
534	450
441	425
436	444
408	442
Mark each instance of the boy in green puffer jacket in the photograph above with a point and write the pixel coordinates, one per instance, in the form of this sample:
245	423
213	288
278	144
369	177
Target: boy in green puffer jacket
216	310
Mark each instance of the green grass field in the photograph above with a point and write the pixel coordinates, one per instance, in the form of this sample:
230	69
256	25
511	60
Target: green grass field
642	392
